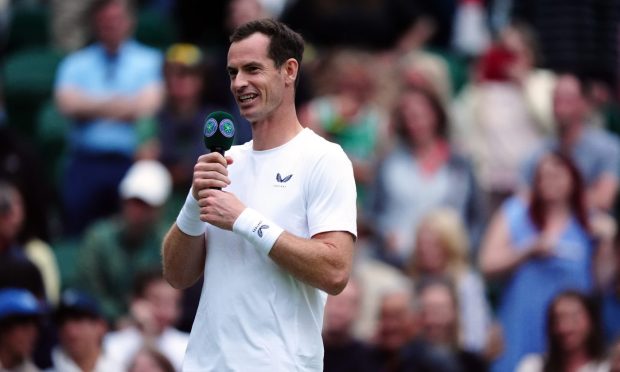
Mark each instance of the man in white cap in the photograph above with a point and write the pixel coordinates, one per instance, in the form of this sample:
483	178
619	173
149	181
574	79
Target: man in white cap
115	248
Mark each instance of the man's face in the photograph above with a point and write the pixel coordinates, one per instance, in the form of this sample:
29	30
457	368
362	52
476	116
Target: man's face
81	335
183	84
255	82
395	321
165	302
112	24
569	104
19	339
341	310
11	220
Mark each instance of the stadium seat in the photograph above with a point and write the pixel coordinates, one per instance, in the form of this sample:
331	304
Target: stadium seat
52	129
27	80
155	30
29	27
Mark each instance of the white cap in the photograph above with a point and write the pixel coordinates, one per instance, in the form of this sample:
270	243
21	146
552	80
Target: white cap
147	180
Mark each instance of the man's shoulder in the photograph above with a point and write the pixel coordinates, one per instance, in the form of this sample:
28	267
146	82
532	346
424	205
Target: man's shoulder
84	55
109	226
315	144
136	47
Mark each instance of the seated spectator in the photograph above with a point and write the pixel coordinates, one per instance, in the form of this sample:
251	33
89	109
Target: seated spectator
155	308
541	245
16	269
114	249
81	328
422	172
20	165
494	116
174	134
574	338
150	360
610	298
343	352
614	357
19	317
347	114
442	253
595	151
438	346
104	88
374	278
395	328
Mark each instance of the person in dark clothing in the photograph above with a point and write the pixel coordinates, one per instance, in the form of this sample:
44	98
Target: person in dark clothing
343	352
437	347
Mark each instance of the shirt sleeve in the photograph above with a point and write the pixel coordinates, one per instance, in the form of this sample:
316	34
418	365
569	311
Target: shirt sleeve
67	74
611	160
332	196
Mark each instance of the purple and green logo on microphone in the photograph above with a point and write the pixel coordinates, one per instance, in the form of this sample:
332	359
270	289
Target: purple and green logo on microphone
227	128
219	131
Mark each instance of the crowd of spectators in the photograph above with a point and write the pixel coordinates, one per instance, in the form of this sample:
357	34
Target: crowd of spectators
483	136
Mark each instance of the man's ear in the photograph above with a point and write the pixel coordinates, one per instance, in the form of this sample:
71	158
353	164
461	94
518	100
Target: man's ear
291	69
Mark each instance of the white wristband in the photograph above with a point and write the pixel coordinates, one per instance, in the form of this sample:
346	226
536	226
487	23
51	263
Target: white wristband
188	220
257	229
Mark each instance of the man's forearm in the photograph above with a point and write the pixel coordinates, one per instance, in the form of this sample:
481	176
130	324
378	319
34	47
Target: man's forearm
183	257
76	104
323	262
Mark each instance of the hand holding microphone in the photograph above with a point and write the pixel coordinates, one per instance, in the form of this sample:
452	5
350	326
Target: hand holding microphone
218	135
210	172
218	208
223	209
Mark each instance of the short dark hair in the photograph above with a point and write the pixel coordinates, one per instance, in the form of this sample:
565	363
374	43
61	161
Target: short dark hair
97	5
284	42
144	278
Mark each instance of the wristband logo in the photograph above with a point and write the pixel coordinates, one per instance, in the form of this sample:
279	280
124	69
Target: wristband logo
260	230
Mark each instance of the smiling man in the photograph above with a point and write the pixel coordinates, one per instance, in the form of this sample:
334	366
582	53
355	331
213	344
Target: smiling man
278	236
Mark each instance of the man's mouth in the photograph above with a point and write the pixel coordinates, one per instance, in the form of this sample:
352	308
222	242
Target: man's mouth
244	98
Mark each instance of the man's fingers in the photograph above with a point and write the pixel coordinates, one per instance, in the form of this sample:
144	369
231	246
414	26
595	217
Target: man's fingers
210	167
210	183
212	157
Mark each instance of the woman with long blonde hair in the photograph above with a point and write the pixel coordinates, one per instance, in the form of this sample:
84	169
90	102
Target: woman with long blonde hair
442	251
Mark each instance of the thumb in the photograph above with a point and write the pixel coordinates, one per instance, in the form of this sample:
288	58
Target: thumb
229	160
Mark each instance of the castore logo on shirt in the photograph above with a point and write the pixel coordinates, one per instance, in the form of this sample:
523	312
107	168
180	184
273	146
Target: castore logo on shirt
282	180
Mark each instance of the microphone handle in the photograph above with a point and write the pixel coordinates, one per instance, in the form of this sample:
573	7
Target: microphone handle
221	151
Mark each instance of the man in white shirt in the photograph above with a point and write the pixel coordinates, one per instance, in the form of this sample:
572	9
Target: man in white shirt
81	328
155	308
279	235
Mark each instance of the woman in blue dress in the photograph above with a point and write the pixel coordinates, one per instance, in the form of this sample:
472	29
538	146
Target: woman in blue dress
539	245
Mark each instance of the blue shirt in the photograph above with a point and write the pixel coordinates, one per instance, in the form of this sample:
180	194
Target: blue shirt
596	152
532	285
611	319
101	75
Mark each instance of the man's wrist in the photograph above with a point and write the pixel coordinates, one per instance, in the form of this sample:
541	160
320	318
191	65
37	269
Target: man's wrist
188	220
257	229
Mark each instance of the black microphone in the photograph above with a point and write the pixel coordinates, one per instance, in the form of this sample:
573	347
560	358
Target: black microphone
219	132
